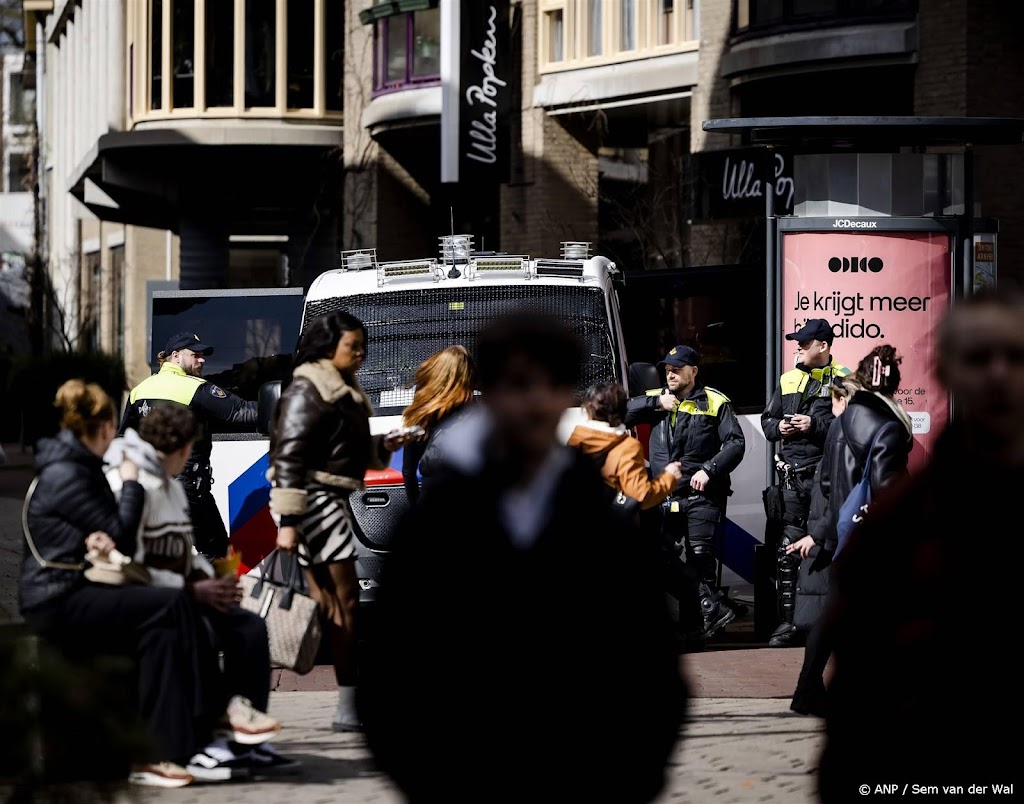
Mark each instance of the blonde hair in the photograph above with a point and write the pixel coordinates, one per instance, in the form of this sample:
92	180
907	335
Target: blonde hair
85	407
444	382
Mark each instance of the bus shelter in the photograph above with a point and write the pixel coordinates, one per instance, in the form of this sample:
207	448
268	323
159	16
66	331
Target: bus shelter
883	238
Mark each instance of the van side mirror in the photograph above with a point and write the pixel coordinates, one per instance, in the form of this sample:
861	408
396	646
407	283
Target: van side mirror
266	405
643	377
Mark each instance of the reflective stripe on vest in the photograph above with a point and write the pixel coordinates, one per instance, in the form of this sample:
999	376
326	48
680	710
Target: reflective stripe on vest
795	380
170	383
715	401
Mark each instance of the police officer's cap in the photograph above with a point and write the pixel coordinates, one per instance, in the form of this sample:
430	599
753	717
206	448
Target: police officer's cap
187	340
680	356
816	329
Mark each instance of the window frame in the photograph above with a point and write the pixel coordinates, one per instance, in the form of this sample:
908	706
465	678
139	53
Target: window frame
845	13
381	30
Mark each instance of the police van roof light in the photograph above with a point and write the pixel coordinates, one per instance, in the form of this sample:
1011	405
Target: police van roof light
456	249
498	264
402	269
567	268
575	250
359	259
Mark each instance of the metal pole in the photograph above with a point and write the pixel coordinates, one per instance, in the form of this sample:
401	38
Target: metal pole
967	248
771	285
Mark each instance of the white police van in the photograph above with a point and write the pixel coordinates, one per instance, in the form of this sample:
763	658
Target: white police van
415	308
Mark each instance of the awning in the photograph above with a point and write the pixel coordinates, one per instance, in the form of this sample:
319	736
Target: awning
389	8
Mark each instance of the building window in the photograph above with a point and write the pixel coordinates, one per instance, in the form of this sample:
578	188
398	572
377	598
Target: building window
772	15
666	22
595	29
408	49
300	54
220	54
260	62
334	53
627	24
260	55
117	298
91	315
183	35
156	53
554	22
18	173
22	99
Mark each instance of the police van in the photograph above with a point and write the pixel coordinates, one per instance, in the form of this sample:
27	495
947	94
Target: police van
415	308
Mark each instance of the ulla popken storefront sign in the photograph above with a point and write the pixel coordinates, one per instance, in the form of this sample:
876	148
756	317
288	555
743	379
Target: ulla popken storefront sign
477	100
730	183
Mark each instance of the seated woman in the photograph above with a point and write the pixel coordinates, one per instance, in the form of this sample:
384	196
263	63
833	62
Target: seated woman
620	458
70	510
238	697
444	386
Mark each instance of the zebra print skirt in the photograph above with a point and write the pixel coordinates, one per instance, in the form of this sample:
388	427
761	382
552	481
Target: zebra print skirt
328	529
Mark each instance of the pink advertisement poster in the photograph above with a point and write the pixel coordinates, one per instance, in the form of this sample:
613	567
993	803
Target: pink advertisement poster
890	287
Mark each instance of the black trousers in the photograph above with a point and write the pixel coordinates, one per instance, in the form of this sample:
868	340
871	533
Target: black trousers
157	627
679	579
242	637
691	524
817	651
796	502
211	538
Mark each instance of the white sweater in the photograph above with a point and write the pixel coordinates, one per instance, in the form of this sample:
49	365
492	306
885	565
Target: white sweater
164	542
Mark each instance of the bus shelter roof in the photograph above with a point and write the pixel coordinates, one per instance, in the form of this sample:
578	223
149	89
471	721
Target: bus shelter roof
823	134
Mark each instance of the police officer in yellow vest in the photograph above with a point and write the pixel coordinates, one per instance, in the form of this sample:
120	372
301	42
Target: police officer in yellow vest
179	382
696	426
797	419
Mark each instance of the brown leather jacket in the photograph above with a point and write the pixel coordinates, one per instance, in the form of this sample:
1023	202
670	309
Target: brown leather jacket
321	433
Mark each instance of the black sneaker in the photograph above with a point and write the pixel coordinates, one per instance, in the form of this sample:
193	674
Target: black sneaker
716	617
264	759
217	763
785	636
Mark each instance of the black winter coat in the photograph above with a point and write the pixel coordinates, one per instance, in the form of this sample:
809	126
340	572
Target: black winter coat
703	434
842	464
425	458
71	500
514	677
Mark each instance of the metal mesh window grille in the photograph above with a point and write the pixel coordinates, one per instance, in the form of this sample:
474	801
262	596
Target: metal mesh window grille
405	327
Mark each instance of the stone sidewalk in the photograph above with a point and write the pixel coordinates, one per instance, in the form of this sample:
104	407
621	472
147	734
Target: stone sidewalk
734	751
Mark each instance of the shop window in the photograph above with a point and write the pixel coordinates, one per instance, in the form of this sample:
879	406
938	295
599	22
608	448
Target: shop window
156	38
260	65
18	173
408	49
334	53
220	54
300	54
183	33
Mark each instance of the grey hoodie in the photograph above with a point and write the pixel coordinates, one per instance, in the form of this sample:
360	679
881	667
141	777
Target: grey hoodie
165	533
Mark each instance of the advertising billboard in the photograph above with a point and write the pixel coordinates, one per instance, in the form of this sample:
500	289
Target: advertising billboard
875	288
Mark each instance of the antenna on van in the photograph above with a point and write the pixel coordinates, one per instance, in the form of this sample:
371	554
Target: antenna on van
453	273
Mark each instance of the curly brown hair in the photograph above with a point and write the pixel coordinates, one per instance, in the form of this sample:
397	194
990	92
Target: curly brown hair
169	428
606	402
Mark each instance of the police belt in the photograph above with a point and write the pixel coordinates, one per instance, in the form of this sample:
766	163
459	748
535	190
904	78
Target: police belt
198	470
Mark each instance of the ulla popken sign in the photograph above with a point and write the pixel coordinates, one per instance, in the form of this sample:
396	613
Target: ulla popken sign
476	76
730	183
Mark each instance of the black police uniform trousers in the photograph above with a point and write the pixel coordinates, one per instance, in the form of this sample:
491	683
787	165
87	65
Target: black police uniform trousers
680	580
693	531
796	503
208	531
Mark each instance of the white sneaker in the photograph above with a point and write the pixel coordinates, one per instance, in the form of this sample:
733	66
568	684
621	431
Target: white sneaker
160	774
245	724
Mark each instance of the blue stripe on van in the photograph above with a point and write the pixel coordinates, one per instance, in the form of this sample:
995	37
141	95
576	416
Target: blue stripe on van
738	551
249	493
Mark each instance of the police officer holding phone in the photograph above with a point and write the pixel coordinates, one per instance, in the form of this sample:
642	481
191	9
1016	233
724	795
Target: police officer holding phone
797	420
179	382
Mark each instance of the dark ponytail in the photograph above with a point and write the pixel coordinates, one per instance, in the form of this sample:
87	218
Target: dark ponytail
880	370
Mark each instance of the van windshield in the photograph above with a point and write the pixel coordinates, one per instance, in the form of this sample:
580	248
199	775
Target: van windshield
405	327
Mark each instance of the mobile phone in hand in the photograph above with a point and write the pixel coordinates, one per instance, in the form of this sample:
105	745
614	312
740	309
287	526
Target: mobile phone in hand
788	416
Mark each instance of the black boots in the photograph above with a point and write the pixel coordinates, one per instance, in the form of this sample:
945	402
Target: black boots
785	636
715	613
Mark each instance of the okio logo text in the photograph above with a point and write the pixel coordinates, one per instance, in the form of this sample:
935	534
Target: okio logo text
848	265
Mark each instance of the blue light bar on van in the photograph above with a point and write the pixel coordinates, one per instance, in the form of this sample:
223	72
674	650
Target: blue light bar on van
403	269
499	264
566	268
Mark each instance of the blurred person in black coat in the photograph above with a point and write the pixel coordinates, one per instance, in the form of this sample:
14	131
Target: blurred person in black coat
515	658
924	641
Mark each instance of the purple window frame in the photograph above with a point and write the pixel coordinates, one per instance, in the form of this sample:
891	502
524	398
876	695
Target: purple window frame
380	55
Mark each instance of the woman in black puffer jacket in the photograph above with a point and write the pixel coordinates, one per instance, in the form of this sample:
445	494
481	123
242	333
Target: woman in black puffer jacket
72	510
865	410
